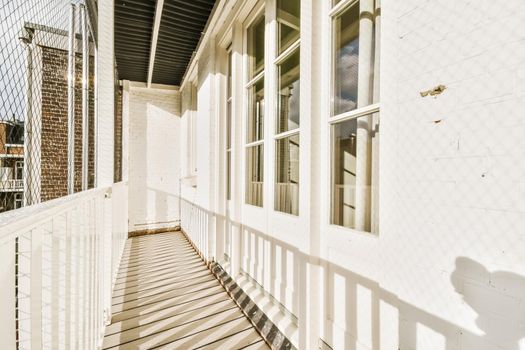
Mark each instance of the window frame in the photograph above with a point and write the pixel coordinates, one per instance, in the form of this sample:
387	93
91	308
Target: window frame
229	121
250	82
278	136
333	119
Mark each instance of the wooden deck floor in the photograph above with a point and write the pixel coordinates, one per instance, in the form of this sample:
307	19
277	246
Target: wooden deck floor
165	297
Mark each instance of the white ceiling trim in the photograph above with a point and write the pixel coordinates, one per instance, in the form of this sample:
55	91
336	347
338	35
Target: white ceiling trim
154	38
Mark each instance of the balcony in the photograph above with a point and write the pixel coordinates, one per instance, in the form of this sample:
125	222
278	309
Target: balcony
11	185
277	174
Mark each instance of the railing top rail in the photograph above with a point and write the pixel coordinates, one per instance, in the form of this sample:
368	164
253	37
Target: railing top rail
12	223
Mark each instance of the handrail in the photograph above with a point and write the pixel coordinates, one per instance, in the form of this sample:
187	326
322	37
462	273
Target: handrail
12	222
70	246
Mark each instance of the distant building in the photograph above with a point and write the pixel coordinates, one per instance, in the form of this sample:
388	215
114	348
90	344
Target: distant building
48	147
11	164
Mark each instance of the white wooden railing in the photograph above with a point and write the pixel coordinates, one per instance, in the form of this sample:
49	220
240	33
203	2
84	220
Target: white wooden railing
58	265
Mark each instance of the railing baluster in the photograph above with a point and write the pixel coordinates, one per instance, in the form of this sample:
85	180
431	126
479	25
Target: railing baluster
36	289
7	292
45	232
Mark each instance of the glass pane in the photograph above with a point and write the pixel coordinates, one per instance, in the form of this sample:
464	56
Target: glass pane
256	47
255	175
344	173
289	94
287	175
346	55
256	112
355	173
288	19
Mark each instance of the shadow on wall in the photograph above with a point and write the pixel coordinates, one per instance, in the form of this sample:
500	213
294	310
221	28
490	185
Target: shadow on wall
497	297
358	312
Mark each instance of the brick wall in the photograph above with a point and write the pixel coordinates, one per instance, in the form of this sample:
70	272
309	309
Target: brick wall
54	124
154	158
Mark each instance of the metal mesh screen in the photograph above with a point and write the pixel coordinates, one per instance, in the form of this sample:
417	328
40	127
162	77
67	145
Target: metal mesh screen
47	101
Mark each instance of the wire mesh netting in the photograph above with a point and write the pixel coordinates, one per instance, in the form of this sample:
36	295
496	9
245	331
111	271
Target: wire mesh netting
47	101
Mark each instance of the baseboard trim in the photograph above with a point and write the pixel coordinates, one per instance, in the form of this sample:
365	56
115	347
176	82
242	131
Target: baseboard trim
153	231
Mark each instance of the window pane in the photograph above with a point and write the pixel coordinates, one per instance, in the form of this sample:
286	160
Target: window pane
287	175
256	47
288	19
289	94
256	112
346	55
255	175
355	146
344	173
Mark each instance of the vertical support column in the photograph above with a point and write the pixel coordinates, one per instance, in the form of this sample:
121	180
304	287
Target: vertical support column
29	193
105	95
314	25
237	149
374	205
85	97
364	98
71	103
269	125
105	137
125	130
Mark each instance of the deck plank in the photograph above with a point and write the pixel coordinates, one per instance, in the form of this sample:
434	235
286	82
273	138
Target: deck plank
165	297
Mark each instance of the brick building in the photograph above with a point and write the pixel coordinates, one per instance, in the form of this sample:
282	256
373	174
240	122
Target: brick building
49	87
11	164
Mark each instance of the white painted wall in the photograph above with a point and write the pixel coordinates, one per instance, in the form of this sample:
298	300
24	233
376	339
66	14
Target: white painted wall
154	162
446	270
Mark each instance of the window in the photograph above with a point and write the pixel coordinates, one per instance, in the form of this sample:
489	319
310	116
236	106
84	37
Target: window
228	124
346	60
18	201
288	108
19	170
288	21
354	121
255	122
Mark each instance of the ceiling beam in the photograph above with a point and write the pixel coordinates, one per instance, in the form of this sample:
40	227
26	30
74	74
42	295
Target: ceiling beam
154	38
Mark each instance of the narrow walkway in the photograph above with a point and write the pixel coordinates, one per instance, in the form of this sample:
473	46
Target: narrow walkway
165	297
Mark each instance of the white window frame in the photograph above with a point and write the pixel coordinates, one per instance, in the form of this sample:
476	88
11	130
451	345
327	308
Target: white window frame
279	59
371	109
229	121
19	164
18	198
250	82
